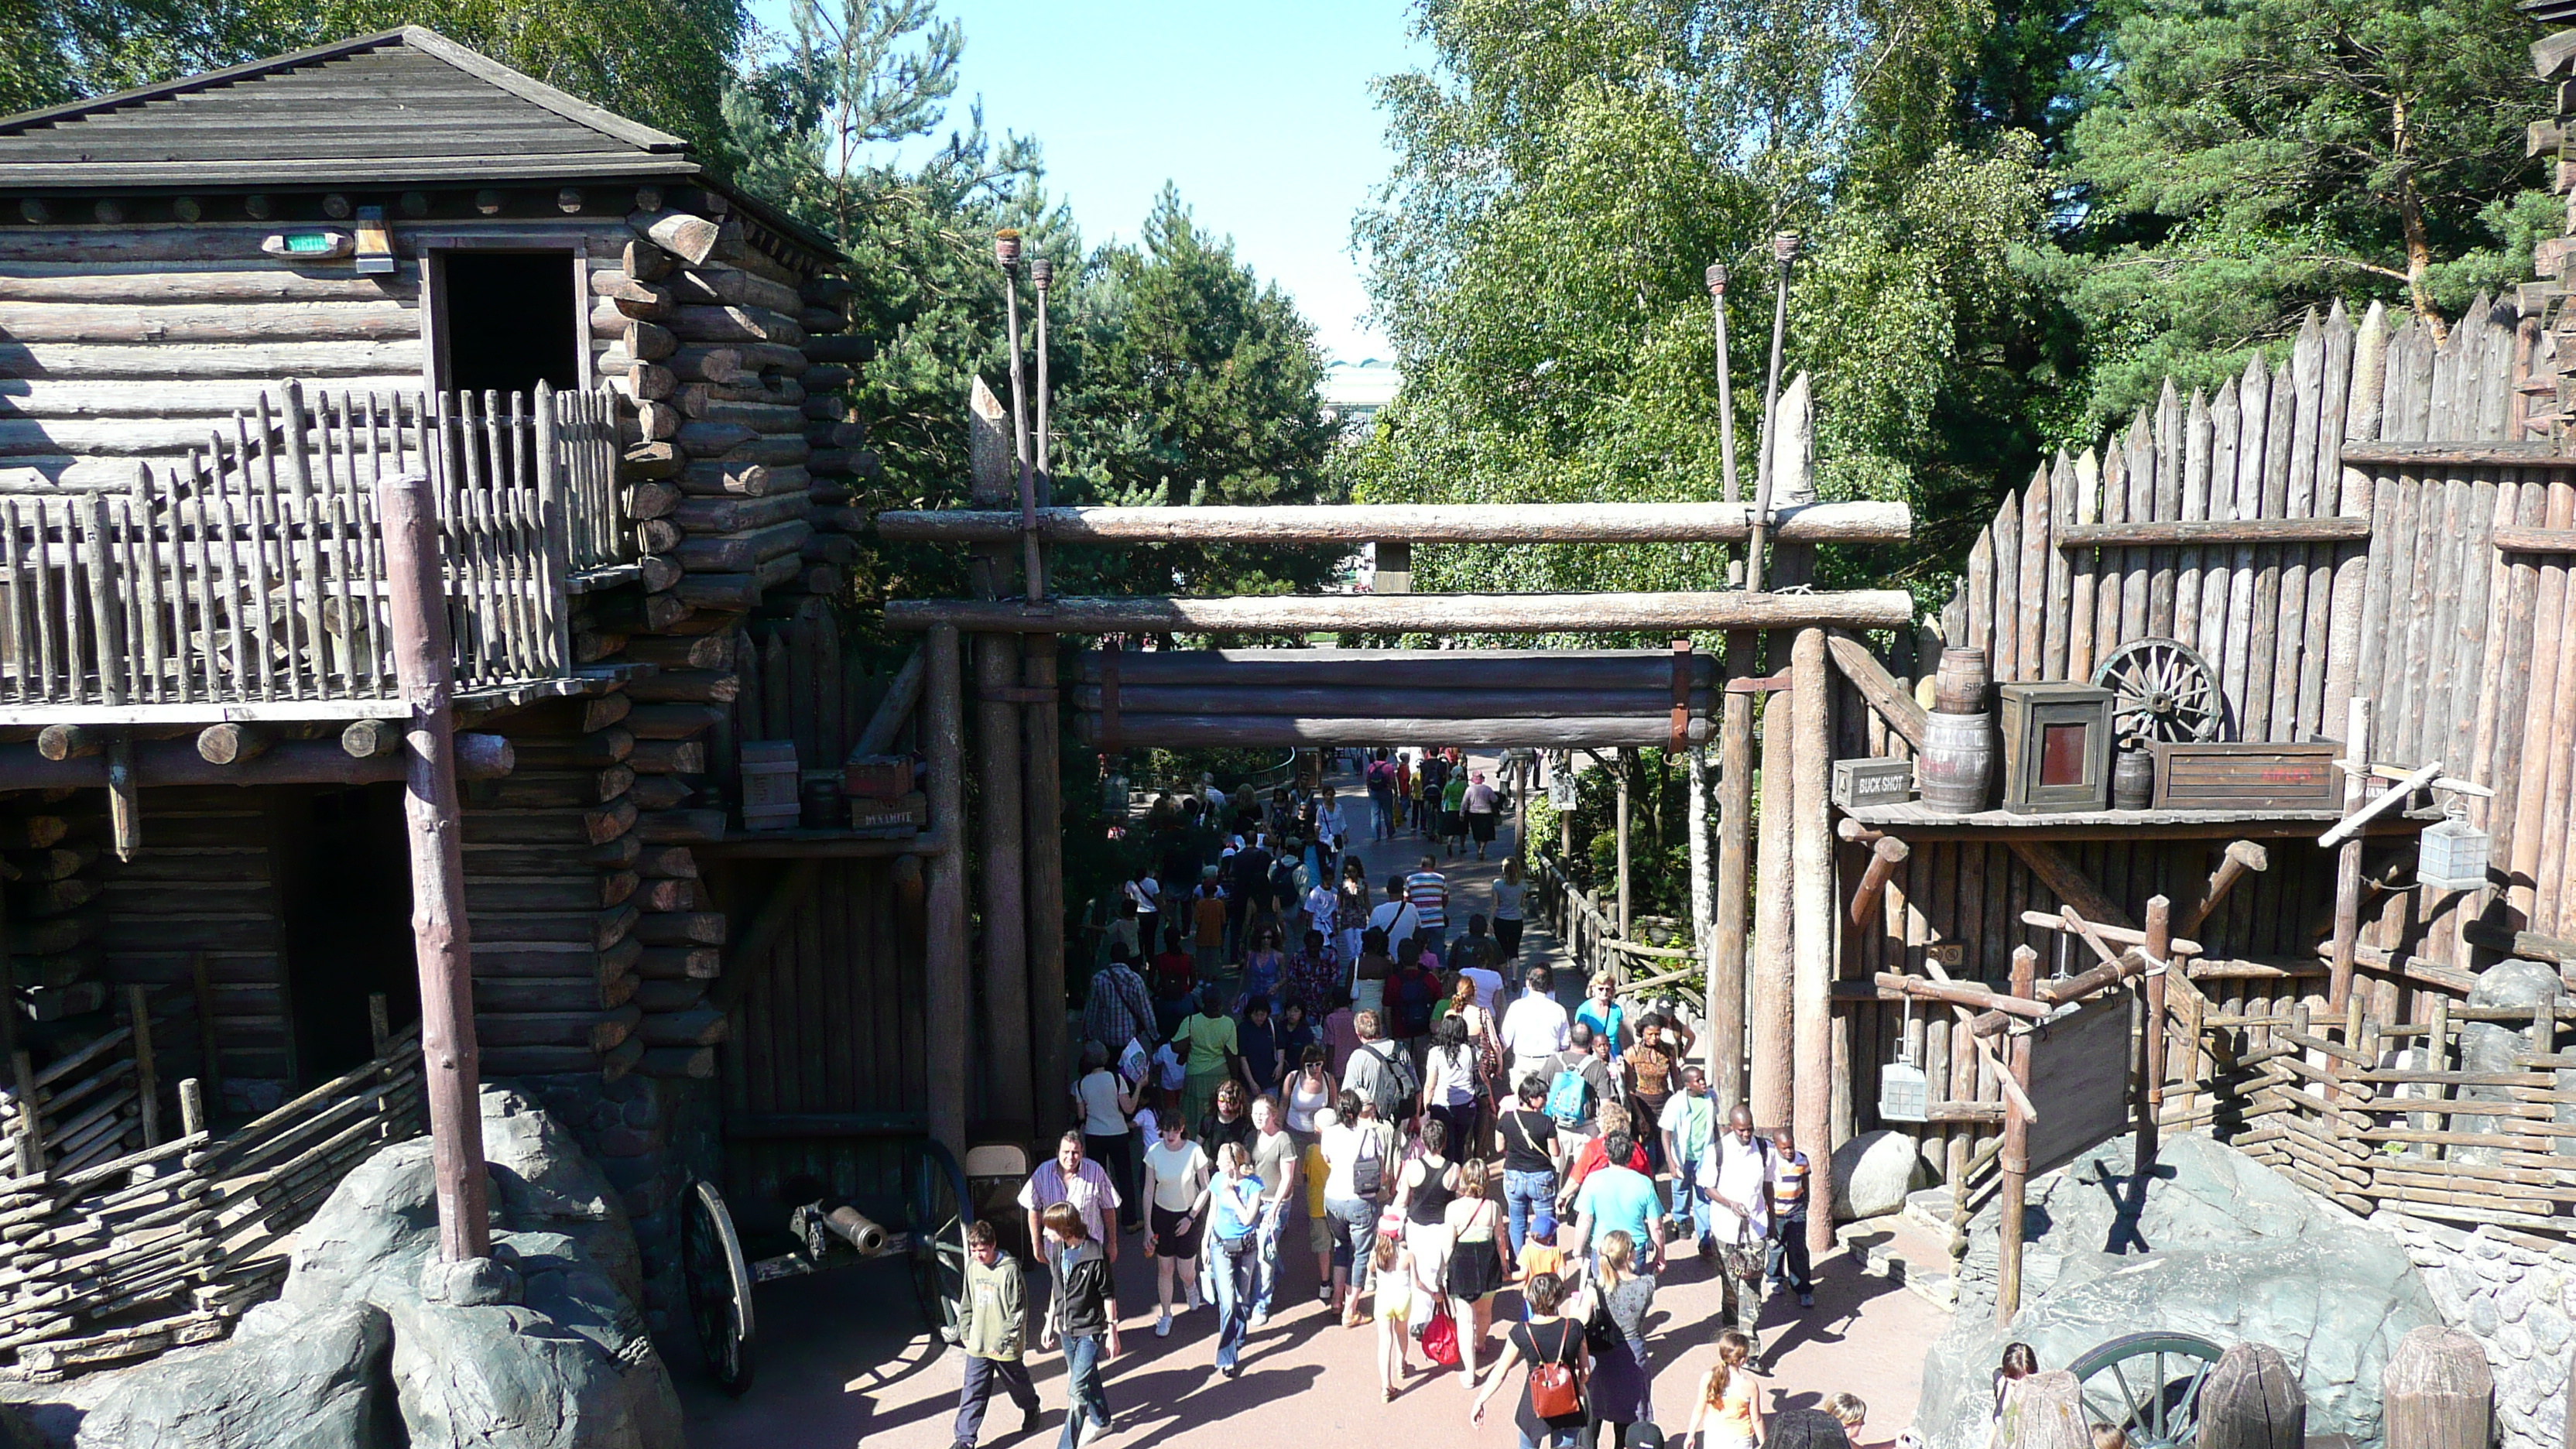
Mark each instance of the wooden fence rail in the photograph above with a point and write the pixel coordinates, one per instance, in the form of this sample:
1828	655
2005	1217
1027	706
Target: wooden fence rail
253	572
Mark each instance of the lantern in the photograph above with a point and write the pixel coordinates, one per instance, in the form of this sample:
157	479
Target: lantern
1904	1093
2452	853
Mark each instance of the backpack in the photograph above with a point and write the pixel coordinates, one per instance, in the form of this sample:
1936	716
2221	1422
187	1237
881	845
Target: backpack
1368	1170
1397	1083
1413	991
1569	1097
1555	1391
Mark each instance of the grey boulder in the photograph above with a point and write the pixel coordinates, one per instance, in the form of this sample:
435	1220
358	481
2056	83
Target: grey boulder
1872	1174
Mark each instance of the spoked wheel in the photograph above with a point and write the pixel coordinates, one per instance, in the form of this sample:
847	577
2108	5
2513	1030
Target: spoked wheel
939	1240
2148	1384
719	1286
2163	690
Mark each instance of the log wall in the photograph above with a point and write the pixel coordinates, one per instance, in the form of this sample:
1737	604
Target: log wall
2466	651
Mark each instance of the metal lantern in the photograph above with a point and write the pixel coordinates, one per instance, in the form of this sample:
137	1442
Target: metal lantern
2452	853
1904	1093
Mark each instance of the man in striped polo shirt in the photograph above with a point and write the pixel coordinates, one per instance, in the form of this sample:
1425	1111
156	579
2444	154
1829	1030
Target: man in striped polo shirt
1428	890
1788	1184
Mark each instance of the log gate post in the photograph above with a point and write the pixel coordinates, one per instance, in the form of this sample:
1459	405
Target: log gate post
1041	748
2437	1392
2252	1400
946	999
424	665
2158	949
2016	1151
1812	935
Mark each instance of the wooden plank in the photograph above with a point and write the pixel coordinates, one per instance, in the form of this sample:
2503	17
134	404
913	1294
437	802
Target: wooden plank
2307	385
1492	613
2031	588
2085	508
2440	455
2059	584
2198	435
2163	561
2345	632
2211	639
2262	718
2553	731
2138	568
2325	500
1981	592
2254	402
1860	522
2111	584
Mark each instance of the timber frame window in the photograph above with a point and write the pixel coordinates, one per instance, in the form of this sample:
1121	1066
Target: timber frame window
503	313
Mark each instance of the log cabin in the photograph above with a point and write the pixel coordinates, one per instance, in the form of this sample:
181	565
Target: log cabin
229	303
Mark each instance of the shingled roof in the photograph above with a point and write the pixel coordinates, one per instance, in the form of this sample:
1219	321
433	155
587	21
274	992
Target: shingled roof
401	107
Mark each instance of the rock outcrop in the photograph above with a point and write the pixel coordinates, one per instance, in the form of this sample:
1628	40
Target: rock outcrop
376	1344
2213	1244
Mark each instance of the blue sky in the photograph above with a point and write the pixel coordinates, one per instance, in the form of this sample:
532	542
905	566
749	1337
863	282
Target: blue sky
1260	112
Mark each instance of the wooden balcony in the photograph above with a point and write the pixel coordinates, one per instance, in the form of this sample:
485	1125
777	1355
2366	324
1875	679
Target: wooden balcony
248	582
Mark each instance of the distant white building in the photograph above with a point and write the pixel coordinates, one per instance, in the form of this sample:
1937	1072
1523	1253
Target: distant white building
1354	392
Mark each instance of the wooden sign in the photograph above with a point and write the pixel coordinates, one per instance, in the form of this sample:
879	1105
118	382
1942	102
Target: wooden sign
2079	1079
1872	782
2195	776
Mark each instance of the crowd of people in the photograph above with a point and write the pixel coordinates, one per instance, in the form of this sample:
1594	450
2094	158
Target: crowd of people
1463	1149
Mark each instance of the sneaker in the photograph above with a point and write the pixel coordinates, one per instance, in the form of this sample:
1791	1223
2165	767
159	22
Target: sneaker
1806	1300
1229	1370
1029	1420
1260	1318
1163	1326
1195	1300
1089	1430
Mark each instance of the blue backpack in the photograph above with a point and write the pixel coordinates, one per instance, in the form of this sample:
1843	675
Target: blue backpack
1569	1097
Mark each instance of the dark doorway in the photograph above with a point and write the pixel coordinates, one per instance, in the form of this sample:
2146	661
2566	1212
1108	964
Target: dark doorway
345	878
508	321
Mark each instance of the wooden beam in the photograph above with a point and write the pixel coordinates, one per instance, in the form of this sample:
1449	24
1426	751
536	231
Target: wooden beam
59	742
751	953
2120	935
1871	897
1392	697
2069	882
2242	856
366	739
2015	1159
1864	522
2213	530
2517	539
1724	1041
424	659
1894	984
887	723
2347	895
233	744
1183	731
161	763
2423	456
1415	613
1879	687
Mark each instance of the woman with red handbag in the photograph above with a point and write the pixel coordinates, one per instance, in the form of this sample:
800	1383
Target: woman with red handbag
1551	1413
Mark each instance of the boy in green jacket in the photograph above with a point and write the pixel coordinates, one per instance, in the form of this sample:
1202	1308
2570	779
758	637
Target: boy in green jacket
995	1319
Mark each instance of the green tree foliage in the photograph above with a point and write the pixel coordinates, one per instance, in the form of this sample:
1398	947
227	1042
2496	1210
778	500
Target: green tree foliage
665	62
1564	175
2247	160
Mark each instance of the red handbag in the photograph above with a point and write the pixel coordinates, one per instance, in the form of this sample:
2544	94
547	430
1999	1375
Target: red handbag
1440	1339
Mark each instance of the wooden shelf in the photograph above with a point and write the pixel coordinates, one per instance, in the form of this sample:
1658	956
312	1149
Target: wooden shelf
1915	821
803	844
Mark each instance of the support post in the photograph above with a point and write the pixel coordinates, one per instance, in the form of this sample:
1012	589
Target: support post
2252	1400
1001	829
946	999
1701	863
2016	1152
1393	573
1724	1044
1625	759
147	1070
1812	935
424	663
2437	1392
1041	747
1768	998
2151	1086
2347	901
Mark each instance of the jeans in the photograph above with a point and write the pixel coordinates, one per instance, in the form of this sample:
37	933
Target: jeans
1233	1266
1084	1394
1688	1202
1383	801
982	1374
1354	1232
1789	1250
1266	1239
1552	1439
1528	1197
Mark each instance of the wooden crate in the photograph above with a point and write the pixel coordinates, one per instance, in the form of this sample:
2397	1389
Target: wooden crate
2057	747
1859	783
2193	776
892	817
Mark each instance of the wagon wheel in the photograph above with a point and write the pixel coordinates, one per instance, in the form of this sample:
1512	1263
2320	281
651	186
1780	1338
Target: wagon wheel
939	1217
2162	689
2149	1385
719	1286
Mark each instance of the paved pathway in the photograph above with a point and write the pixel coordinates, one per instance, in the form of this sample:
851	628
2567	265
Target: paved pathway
844	1359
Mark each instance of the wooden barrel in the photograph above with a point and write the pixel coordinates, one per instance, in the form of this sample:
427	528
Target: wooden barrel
1960	687
1957	763
2133	780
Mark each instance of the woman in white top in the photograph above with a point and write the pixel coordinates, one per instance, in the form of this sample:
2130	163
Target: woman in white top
1359	1165
1451	1082
1310	1091
1175	1170
1104	1102
1507	914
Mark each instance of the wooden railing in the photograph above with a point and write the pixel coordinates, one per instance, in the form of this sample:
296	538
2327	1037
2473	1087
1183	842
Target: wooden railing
1591	939
253	572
